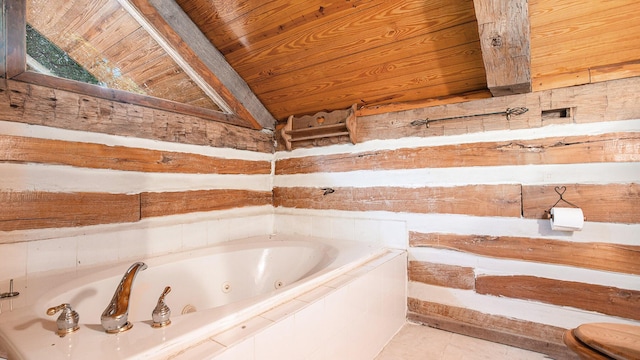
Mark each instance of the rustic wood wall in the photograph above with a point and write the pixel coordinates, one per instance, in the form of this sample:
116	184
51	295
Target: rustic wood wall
33	207
473	192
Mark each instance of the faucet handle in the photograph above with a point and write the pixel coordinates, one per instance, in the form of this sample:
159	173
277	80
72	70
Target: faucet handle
67	321
161	313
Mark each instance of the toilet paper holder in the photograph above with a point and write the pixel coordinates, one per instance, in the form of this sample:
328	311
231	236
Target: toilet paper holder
560	190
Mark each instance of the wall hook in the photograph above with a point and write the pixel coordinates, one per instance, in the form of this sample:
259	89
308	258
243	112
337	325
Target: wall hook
328	191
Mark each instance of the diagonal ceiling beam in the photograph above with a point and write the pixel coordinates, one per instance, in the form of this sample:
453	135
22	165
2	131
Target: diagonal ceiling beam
505	41
187	45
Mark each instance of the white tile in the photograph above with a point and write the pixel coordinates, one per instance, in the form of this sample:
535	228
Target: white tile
241	351
54	254
339	281
294	225
315	294
286	309
164	239
338	308
194	235
203	351
242	331
338	346
243	227
394	234
321	226
217	231
275	342
97	249
367	230
13	258
318	354
132	244
311	329
343	228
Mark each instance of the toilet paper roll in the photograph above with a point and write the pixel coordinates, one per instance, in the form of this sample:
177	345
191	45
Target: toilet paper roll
566	219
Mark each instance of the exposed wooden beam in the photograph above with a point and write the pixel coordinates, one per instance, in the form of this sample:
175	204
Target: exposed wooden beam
14	37
188	46
3	37
505	41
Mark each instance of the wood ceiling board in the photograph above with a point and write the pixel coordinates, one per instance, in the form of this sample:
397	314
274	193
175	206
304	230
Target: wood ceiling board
385	94
266	21
115	31
363	31
147	51
292	59
569	38
273	78
423	70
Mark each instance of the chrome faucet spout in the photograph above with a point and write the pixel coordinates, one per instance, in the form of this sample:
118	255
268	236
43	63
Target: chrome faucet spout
114	319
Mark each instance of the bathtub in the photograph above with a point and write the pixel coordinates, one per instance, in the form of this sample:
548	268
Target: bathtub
212	290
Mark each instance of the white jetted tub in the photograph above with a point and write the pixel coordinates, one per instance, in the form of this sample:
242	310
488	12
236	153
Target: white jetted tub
212	289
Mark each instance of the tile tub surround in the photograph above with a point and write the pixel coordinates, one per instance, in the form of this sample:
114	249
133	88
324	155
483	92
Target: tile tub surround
190	330
350	317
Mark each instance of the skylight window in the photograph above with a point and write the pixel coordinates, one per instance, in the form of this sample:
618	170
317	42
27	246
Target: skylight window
99	42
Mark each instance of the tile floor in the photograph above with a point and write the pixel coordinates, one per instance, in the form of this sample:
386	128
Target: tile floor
417	342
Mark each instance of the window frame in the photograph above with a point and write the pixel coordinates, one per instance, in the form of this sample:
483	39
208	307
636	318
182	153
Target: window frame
13	66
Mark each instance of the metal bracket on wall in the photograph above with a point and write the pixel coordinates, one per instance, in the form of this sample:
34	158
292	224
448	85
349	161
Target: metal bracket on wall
507	113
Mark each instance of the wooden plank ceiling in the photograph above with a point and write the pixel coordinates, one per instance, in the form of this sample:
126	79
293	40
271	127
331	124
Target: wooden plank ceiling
304	56
301	57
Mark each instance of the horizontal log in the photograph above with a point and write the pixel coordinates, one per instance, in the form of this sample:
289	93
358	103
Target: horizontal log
170	203
98	156
605	101
593	255
157	98
396	107
603	299
612	147
545	339
41	105
38	210
612	203
458	277
476	200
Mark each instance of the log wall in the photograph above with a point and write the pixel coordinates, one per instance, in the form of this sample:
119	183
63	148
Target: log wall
100	181
468	198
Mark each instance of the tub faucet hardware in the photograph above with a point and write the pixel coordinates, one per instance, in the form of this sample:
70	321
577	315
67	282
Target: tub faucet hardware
114	318
11	293
67	321
161	313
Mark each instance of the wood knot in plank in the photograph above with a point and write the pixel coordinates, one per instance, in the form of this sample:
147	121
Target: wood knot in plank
496	41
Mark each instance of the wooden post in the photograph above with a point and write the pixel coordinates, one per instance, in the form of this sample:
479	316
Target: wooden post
505	41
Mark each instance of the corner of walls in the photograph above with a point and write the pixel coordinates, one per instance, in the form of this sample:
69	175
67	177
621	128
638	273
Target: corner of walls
466	198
